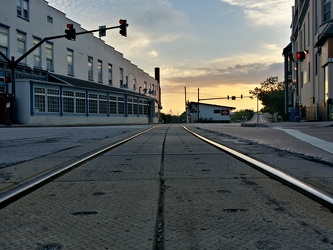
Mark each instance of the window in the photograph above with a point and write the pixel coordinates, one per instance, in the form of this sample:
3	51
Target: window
134	84
326	10
121	71
130	106
49	19
80	101
100	71
93	101
309	29
49	56
102	104
37	53
22	8
46	100
68	101
326	81
113	104
145	87
110	74
21	38
141	107
153	91
4	41
90	68
53	101
135	106
70	62
39	99
121	105
145	107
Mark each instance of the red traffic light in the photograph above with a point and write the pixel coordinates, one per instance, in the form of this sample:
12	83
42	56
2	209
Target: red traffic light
123	27
300	55
8	79
70	32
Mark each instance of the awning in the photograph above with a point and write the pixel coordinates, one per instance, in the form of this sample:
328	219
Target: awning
71	81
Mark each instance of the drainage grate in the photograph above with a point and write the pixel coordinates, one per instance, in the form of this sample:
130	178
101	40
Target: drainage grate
234	210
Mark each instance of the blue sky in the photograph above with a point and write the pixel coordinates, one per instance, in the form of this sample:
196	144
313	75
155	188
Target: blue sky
223	47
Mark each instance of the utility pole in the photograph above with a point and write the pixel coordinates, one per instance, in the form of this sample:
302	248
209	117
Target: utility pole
198	112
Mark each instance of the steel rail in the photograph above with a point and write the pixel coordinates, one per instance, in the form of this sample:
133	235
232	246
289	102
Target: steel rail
316	194
26	187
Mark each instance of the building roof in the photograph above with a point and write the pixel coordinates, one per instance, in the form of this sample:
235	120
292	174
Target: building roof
90	85
214	105
287	50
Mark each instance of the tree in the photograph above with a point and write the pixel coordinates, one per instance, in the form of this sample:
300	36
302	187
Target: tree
243	114
167	118
271	95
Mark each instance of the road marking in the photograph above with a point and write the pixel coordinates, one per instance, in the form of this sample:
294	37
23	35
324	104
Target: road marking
324	145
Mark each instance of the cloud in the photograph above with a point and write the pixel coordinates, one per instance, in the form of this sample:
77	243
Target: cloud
245	74
265	13
153	53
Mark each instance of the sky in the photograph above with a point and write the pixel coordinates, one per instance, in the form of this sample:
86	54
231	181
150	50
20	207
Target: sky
221	47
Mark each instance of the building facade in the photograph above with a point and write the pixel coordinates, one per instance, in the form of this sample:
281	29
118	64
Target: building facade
64	82
309	61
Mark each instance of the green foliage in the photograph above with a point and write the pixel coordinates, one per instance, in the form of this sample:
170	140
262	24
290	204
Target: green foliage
271	95
166	118
243	115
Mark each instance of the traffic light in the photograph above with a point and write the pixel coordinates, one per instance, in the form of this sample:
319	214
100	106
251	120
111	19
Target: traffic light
300	55
70	32
228	97
8	79
123	27
102	31
233	97
241	96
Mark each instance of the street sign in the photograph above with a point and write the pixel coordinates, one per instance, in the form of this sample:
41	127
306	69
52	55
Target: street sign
102	30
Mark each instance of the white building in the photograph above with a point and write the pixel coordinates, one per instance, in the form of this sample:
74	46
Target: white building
309	60
203	112
66	82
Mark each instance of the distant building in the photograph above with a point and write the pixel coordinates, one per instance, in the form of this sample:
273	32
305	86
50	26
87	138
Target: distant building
309	61
65	82
203	112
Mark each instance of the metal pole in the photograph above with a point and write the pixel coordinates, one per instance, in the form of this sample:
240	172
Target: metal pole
198	106
257	109
12	69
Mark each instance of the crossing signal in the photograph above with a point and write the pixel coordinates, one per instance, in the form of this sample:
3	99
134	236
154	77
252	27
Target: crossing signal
123	27
300	55
70	32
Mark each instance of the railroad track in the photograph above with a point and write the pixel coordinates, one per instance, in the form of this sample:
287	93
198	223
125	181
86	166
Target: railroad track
33	184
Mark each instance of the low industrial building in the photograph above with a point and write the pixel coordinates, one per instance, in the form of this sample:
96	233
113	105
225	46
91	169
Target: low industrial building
203	112
67	82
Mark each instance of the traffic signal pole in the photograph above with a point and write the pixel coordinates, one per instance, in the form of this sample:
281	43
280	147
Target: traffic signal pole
13	63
